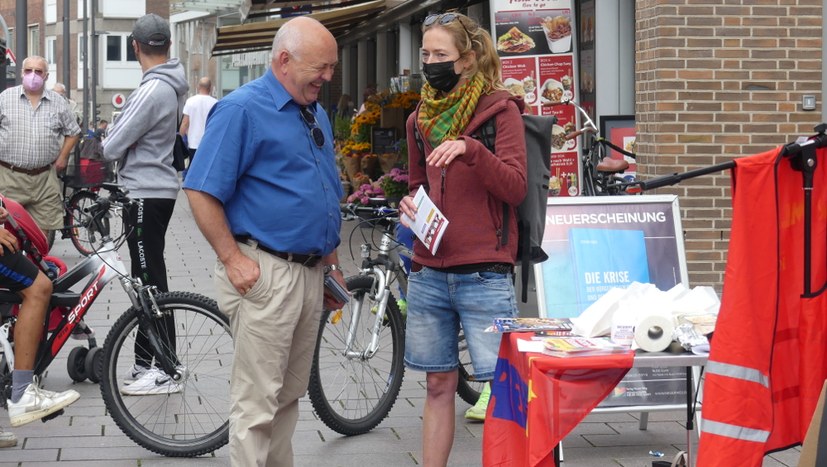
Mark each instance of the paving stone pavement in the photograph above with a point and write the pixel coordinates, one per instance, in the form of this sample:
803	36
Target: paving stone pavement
86	436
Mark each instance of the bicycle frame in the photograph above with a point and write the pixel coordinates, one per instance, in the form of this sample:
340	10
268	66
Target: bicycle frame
595	182
383	269
103	267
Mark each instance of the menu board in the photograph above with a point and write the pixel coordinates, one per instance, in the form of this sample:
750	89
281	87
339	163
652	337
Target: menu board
534	42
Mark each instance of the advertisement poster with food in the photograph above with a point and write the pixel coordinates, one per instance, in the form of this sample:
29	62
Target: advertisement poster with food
520	77
534	41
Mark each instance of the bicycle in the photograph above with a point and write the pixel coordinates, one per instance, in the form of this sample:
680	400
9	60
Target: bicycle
189	422
601	174
358	366
86	180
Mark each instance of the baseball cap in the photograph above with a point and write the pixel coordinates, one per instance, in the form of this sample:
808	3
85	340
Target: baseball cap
152	30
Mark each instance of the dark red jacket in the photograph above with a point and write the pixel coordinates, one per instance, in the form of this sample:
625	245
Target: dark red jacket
470	192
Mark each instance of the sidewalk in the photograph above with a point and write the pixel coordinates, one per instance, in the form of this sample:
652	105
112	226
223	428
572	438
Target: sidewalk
86	436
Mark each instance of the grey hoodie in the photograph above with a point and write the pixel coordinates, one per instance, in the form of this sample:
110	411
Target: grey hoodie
143	135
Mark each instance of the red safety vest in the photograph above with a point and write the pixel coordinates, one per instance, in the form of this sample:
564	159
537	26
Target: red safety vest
768	359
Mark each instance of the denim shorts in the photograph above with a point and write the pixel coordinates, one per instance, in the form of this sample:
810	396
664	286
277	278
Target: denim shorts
438	302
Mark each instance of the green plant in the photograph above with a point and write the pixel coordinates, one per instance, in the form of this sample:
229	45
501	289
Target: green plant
341	127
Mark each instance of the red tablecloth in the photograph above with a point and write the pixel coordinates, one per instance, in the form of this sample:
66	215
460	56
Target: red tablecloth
536	400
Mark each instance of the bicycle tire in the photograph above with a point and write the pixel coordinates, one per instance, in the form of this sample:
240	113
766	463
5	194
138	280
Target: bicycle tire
85	237
188	423
352	395
78	221
468	388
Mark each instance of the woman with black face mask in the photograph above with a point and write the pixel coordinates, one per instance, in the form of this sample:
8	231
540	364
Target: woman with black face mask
468	281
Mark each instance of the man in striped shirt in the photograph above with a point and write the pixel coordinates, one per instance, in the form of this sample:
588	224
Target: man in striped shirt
33	120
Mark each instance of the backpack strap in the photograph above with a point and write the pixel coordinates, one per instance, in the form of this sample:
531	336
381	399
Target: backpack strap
487	135
420	145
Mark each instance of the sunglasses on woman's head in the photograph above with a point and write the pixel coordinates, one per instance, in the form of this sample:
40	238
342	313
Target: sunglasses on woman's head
315	131
443	19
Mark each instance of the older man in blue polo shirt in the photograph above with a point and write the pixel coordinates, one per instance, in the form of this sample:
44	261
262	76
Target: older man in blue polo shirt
265	193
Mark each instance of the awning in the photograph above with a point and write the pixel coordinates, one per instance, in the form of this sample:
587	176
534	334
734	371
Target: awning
259	35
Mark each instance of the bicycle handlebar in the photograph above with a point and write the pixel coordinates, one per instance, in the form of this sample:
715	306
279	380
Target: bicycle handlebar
582	112
602	140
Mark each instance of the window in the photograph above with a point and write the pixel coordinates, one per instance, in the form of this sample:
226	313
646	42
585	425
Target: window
34	40
50	54
51	11
119	49
130	52
113	48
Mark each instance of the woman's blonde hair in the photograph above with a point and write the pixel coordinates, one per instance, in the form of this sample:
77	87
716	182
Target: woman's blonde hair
469	36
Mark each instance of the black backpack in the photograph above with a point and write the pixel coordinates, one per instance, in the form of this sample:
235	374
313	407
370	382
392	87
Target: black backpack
531	213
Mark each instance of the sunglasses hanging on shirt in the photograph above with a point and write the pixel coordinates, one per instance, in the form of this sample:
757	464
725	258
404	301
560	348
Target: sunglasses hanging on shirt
315	131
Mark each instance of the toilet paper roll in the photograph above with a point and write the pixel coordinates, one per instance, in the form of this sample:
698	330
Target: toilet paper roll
654	333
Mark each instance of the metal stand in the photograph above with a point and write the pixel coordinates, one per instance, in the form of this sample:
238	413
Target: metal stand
802	157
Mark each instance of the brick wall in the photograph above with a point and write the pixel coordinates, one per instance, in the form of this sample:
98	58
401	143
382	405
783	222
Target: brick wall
716	80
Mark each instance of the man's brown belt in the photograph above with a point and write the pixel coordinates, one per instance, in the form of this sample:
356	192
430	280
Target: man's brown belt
36	171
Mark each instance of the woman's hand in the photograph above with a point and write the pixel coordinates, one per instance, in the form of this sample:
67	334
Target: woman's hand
408	208
446	152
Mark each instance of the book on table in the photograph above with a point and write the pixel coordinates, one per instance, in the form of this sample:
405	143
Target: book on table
559	326
574	346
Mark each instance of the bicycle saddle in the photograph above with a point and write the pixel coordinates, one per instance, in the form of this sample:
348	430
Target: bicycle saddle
610	165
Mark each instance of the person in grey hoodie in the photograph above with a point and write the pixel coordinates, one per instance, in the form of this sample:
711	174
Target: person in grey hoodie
142	139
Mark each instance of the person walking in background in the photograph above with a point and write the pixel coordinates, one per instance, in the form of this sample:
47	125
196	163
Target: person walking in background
195	116
468	281
142	139
369	91
37	134
344	108
265	193
60	88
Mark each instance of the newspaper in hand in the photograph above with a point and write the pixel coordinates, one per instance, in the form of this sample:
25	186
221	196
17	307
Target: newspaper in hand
430	224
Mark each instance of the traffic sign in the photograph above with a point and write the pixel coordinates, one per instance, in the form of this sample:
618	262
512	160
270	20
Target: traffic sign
11	57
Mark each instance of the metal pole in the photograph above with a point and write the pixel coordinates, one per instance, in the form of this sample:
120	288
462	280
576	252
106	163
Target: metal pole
85	68
94	59
67	64
21	29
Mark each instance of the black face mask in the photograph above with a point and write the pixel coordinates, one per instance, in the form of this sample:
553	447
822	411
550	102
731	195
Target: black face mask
441	76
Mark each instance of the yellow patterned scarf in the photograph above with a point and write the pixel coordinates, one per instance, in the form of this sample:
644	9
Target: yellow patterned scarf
445	118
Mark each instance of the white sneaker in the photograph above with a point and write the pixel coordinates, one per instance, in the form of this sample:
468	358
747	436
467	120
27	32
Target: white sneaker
7	439
134	373
79	334
37	403
153	381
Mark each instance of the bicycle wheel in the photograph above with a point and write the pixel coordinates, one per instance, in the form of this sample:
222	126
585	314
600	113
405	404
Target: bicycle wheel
194	420
84	234
78	221
468	388
352	394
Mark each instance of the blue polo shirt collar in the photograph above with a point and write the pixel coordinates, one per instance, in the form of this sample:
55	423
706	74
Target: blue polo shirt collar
278	93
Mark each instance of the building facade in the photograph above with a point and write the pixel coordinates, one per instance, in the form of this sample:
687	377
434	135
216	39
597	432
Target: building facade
104	80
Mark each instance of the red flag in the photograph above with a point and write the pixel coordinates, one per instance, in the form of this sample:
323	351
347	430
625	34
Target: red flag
536	400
